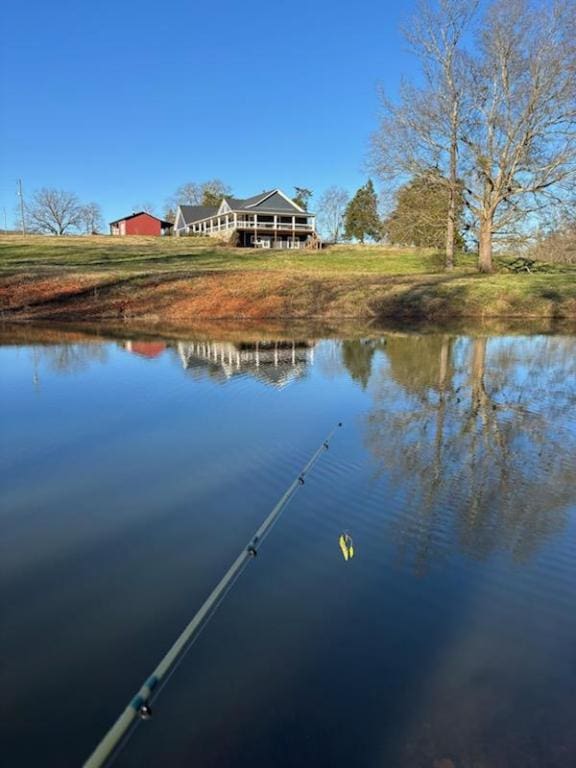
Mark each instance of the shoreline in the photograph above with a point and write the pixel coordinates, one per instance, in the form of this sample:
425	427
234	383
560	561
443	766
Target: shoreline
281	297
175	281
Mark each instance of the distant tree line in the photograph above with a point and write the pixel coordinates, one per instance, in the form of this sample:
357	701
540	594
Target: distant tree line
558	244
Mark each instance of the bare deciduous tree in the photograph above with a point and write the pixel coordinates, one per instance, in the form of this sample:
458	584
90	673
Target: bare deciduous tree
146	206
559	245
420	132
169	214
199	193
92	219
331	207
53	211
519	136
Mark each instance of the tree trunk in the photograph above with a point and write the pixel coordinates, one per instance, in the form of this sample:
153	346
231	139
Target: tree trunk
450	231
451	222
485	244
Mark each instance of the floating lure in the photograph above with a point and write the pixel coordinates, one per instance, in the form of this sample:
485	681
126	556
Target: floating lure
346	546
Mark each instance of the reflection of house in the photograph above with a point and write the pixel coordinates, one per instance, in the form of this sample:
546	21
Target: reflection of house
276	363
148	349
268	220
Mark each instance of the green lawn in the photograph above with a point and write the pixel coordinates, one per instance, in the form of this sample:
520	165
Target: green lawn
183	277
175	254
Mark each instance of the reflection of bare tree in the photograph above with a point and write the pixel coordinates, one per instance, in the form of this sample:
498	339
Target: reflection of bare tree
476	430
70	358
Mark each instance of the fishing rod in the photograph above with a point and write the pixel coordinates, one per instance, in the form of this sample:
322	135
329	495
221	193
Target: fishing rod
139	707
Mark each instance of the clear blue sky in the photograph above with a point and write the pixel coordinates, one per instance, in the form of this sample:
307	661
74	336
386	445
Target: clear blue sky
121	102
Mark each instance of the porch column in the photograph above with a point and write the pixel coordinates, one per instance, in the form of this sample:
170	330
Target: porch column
235	221
211	226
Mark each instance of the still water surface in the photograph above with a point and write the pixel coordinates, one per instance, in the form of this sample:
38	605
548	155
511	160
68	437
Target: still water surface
134	471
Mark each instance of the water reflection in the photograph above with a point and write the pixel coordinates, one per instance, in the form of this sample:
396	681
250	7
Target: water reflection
357	358
473	429
275	363
147	349
477	426
70	358
415	606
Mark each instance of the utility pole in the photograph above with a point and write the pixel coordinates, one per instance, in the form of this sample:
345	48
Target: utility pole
21	196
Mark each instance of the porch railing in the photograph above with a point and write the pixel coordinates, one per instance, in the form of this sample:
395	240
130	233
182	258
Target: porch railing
245	224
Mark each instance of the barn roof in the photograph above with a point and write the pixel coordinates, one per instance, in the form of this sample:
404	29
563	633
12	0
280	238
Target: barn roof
140	213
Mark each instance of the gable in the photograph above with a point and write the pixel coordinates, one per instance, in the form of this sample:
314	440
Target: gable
276	202
141	215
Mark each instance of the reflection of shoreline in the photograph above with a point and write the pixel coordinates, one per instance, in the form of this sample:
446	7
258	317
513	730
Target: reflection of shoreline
61	332
275	363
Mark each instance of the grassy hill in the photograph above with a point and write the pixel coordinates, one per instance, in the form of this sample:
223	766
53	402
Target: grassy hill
178	279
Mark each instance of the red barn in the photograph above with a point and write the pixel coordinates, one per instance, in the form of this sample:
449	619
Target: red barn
140	223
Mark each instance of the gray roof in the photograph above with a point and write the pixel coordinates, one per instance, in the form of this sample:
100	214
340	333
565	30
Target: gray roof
271	202
255	198
192	213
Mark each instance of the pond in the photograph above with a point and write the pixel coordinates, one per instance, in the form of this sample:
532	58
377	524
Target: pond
135	467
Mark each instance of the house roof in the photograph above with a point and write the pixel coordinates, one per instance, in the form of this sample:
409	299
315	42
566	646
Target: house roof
271	201
140	213
192	213
255	199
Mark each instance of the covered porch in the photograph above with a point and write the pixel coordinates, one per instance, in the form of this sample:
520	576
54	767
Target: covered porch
276	239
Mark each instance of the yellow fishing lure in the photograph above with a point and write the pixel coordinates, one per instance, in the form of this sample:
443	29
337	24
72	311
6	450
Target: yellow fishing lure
346	546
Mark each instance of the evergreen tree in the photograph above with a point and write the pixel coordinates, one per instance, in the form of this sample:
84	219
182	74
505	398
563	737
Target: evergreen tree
302	197
357	356
420	217
361	218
